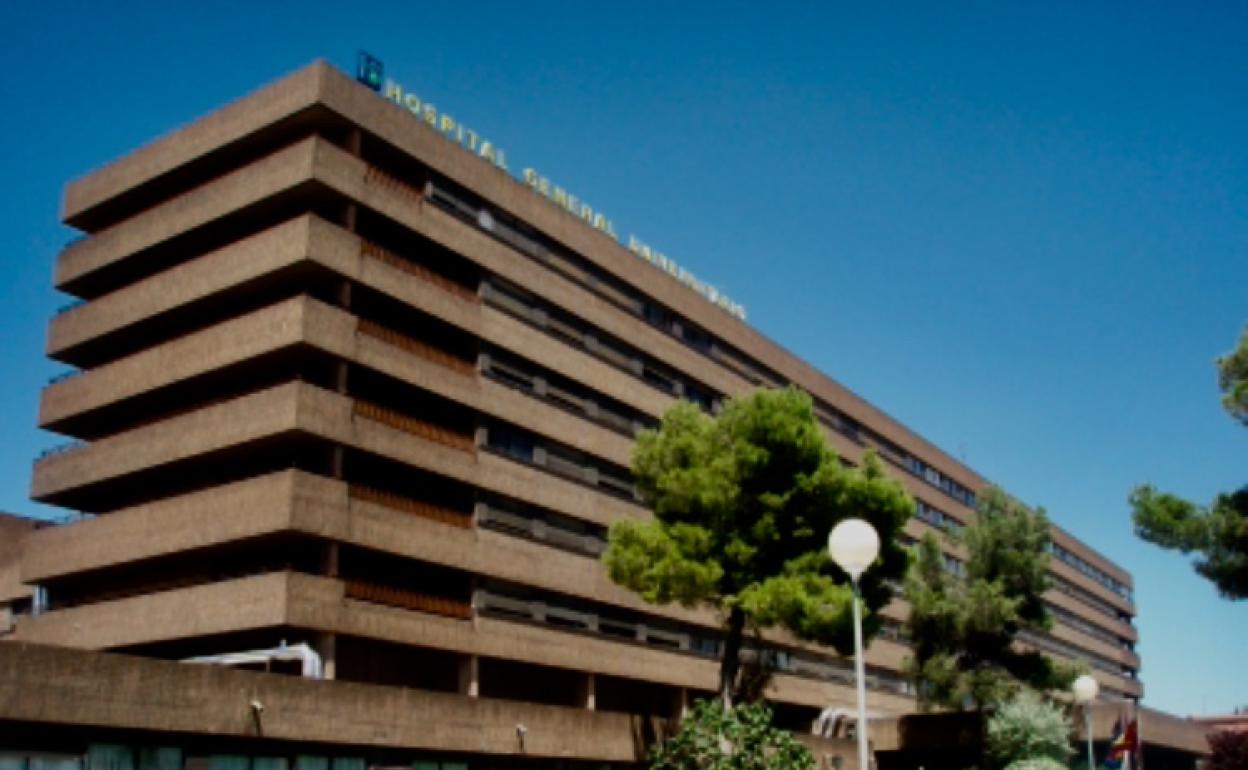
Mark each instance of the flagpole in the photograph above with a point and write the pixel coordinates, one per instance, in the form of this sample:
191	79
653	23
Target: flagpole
1139	733
1126	730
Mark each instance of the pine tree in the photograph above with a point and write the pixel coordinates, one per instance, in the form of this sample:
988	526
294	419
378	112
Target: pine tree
964	629
1217	533
743	503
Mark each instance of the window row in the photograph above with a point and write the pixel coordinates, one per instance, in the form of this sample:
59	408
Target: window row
1091	629
518	519
564	393
952	564
1049	644
525	604
539	247
929	513
526	447
901	458
573	331
1069	558
939	480
955	566
1085	597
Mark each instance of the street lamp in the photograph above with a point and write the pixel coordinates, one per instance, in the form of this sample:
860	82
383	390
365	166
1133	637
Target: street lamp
1085	689
853	545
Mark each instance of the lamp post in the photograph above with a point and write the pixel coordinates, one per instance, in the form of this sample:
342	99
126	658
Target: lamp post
1085	689
853	545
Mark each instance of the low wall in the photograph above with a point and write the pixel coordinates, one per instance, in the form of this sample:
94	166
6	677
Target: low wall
50	686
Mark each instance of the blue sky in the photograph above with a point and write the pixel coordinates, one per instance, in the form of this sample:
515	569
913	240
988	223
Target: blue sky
1022	232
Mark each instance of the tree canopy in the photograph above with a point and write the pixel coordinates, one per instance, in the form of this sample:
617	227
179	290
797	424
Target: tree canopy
1217	533
743	503
713	737
1233	379
963	628
1228	750
1028	728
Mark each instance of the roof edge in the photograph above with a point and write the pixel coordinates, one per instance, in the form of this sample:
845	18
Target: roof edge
192	140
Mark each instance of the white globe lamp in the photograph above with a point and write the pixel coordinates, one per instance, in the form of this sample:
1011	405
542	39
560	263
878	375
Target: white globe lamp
853	545
1085	689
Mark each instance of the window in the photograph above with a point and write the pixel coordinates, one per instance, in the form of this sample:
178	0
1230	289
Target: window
510	442
1071	559
937	518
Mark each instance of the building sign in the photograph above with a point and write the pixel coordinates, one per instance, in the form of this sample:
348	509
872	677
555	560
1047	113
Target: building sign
662	262
371	72
568	202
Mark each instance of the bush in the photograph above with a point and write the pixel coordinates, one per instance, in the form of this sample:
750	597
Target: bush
1227	750
1028	728
1036	763
710	738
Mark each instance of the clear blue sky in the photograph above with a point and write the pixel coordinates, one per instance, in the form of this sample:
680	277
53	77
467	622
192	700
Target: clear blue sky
1024	233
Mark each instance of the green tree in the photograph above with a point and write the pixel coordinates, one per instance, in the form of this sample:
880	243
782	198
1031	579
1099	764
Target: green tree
743	503
1233	379
1218	533
964	628
1038	763
1028	727
712	737
1228	750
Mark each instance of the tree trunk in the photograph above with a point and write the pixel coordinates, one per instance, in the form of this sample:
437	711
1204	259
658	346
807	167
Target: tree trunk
731	661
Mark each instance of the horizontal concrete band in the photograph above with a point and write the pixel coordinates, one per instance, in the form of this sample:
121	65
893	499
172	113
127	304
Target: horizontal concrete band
305	322
293	501
295	409
113	691
298	502
319	604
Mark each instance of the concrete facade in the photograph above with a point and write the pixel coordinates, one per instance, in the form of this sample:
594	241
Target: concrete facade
343	382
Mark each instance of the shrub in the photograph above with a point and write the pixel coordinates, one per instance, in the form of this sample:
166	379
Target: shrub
1227	750
1036	763
1028	728
741	738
